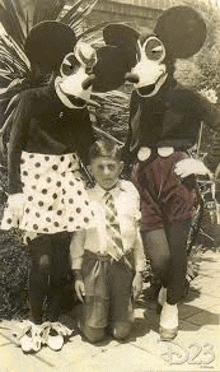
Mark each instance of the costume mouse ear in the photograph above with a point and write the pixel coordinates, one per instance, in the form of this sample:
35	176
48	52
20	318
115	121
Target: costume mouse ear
116	58
182	30
117	34
48	43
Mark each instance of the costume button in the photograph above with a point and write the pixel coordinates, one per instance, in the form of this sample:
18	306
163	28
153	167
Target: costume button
165	151
144	153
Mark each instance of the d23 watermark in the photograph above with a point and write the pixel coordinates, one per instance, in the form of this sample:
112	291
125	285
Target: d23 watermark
193	353
3	369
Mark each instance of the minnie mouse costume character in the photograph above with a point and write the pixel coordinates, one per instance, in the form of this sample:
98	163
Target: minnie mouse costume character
49	139
165	119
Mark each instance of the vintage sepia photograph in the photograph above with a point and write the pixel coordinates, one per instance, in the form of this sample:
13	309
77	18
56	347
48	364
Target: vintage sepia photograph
109	185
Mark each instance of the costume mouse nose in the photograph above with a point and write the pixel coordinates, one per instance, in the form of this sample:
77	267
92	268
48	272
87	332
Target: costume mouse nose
132	78
88	82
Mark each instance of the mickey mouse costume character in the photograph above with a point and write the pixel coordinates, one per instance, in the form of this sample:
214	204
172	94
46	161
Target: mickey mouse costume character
49	139
165	119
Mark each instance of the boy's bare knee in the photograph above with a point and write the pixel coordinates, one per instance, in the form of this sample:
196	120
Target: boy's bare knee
93	334
121	330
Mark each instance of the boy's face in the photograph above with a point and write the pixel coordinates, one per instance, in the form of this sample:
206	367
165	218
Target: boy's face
106	171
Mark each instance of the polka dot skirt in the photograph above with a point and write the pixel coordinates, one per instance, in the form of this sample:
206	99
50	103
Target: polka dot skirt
55	196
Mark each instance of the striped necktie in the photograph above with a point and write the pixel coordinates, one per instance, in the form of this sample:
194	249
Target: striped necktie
114	240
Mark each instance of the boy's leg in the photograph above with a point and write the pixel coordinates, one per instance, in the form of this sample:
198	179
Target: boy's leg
120	278
92	334
39	278
95	308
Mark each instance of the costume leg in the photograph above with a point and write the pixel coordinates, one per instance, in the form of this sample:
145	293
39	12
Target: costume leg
166	249
157	249
40	250
60	272
177	234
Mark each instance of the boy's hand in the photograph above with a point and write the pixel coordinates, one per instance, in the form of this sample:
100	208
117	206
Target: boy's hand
137	285
80	289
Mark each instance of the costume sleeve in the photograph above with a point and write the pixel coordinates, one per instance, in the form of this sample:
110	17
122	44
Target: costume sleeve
85	137
139	256
17	139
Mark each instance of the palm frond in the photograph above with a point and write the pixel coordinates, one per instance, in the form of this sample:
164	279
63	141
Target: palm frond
19	9
70	13
77	13
14	85
7	124
47	9
4	74
12	104
11	22
82	13
9	47
93	34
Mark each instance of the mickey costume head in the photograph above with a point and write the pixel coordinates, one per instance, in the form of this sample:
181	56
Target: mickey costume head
52	47
147	61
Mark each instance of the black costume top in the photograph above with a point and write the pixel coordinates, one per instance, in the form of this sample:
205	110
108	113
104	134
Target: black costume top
42	124
172	118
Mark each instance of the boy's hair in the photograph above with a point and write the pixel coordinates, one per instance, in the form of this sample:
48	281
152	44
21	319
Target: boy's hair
106	149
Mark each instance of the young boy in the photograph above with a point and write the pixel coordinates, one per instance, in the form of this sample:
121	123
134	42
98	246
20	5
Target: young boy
108	259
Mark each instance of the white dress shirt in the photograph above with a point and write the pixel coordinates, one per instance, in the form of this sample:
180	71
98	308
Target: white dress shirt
127	203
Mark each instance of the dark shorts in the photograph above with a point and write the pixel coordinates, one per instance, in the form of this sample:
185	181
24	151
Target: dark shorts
165	197
108	292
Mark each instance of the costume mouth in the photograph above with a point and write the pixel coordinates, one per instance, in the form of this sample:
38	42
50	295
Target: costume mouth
152	89
76	101
144	91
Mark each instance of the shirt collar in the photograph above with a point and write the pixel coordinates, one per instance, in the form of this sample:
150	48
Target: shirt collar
100	191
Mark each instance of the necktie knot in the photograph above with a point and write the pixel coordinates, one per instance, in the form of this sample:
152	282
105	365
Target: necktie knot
108	197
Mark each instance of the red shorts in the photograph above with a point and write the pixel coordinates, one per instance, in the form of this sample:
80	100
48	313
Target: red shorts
165	197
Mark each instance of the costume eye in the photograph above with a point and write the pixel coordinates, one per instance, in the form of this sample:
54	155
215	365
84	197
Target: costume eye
154	49
86	55
69	65
138	53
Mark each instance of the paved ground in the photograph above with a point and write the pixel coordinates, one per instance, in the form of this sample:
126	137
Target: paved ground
196	348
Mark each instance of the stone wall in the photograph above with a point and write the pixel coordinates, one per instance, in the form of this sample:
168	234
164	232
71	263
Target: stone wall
141	17
112	11
155	4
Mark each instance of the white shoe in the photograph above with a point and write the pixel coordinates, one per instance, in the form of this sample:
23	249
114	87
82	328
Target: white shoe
168	322
29	338
54	333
